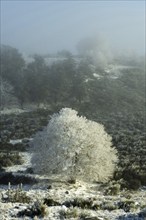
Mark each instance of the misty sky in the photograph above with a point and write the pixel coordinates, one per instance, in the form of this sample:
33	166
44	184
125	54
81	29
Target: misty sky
50	26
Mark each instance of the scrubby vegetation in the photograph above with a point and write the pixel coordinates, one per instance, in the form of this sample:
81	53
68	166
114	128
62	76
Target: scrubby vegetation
106	95
128	133
8	159
37	209
126	129
79	201
16	195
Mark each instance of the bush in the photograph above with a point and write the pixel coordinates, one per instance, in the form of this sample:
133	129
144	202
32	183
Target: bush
74	146
10	159
37	209
16	195
69	213
84	203
113	188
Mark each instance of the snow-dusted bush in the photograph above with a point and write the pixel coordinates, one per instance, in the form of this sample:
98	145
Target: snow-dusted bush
74	146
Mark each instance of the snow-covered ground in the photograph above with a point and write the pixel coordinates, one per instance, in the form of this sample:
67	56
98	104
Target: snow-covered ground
62	192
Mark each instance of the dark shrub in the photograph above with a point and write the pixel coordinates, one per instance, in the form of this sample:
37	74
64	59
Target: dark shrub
134	184
10	159
5	178
143	179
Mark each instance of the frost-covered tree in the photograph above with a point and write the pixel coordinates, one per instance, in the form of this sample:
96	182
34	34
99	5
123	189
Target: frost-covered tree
7	98
74	146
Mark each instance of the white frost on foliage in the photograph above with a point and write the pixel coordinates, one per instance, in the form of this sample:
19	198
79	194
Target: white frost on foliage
74	146
7	98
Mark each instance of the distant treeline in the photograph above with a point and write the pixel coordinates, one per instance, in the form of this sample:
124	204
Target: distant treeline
68	83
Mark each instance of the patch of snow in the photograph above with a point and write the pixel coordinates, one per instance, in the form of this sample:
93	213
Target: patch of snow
97	76
114	77
17	141
12	111
26	157
107	70
87	80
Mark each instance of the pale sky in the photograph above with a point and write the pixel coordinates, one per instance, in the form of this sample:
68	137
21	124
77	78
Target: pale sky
40	26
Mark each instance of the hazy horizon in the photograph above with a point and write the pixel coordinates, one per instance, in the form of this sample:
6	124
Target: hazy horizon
50	26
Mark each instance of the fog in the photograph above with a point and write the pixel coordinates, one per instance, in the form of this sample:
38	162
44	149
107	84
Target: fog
49	26
72	106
